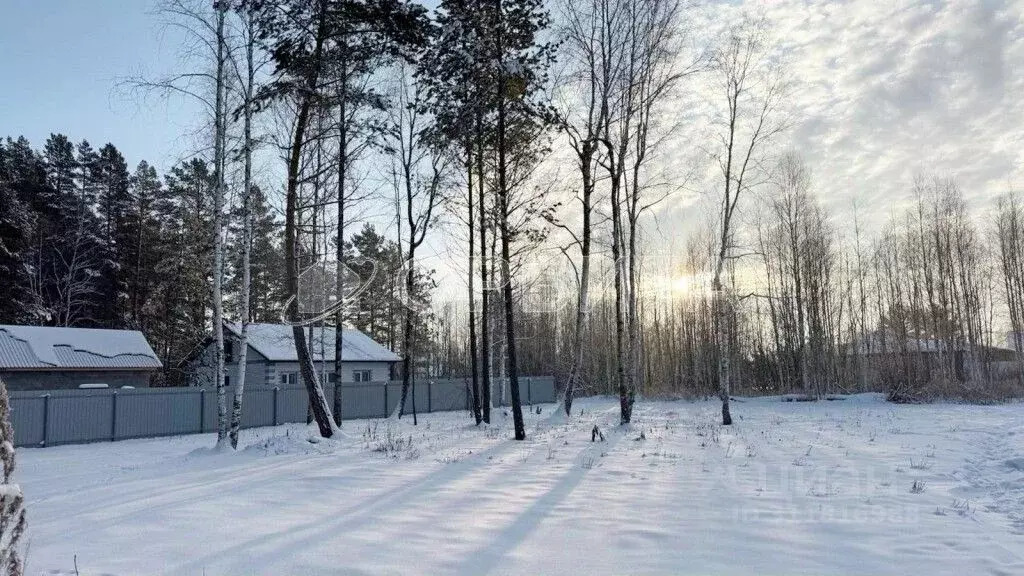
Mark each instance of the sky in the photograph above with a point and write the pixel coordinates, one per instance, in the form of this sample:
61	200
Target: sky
61	62
889	89
884	90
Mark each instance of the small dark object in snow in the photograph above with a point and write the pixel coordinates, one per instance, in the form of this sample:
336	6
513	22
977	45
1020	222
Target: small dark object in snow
538	410
596	433
642	436
798	398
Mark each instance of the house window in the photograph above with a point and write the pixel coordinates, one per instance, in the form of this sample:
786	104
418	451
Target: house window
361	375
289	378
229	352
332	377
227	380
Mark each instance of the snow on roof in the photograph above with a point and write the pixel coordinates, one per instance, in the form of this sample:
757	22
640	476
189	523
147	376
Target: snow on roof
275	342
26	347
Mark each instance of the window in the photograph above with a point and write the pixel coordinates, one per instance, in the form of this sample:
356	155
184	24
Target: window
361	376
229	352
227	380
289	378
332	377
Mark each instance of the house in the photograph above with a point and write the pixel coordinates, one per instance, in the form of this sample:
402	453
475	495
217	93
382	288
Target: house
889	358
47	358
271	359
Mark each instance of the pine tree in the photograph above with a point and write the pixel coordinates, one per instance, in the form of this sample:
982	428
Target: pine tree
112	199
16	224
142	245
12	502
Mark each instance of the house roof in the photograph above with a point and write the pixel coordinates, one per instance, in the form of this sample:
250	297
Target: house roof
276	343
877	344
42	347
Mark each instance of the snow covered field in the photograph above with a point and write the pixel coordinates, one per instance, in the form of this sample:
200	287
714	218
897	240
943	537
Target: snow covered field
851	487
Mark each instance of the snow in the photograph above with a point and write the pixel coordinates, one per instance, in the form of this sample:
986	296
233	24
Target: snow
276	343
791	488
43	342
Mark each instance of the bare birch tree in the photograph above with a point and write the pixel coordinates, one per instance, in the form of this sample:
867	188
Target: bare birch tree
248	84
752	90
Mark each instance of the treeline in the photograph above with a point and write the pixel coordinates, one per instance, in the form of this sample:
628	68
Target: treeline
85	242
927	307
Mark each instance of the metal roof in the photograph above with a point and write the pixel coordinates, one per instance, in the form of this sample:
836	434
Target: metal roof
44	347
276	343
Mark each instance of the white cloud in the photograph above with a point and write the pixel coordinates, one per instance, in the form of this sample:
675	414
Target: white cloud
887	90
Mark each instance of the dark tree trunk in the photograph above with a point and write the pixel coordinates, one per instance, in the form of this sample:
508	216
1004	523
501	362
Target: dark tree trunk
317	401
472	297
485	333
510	332
339	317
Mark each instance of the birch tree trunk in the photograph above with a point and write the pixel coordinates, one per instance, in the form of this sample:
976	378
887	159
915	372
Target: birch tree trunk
244	307
220	143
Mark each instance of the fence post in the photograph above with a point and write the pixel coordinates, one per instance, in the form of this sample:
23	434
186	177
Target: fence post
275	405
46	417
430	396
113	416
202	410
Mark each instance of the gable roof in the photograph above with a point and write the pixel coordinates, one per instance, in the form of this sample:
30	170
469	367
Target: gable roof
42	347
275	342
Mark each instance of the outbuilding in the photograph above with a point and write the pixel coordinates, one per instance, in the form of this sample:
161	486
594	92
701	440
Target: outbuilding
52	358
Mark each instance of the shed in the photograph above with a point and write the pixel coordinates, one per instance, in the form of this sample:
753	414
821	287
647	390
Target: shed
48	358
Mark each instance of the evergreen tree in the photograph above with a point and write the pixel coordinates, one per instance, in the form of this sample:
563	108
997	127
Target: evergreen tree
142	245
266	287
184	209
111	180
16	224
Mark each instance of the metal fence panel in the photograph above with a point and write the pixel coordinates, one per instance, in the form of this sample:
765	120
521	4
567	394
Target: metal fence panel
72	416
28	418
394	396
448	395
363	401
144	414
74	419
292	405
257	407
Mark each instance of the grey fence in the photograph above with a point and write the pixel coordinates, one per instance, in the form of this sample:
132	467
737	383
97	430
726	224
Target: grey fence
47	418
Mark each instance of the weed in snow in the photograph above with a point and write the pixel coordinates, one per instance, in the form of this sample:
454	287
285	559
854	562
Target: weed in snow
920	465
917	487
391	443
962	507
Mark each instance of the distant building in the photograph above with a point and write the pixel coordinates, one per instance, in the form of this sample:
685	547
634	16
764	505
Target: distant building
271	359
890	358
46	358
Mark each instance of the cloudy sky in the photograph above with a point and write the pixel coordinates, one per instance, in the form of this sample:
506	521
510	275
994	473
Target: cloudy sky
885	89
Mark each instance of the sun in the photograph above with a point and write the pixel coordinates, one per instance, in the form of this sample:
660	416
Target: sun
683	284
